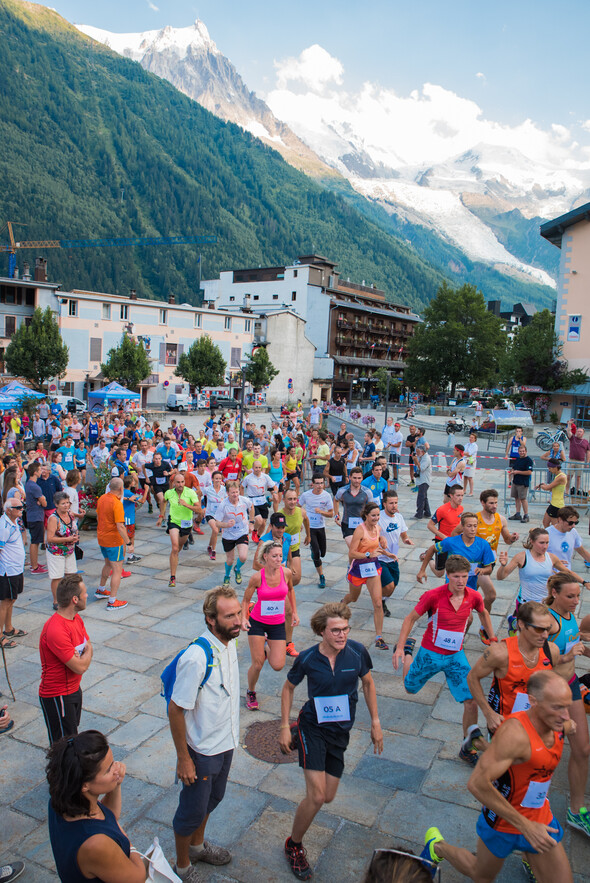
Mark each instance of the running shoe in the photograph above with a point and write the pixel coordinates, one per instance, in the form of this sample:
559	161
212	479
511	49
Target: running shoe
408	647
579	820
512	626
212	554
102	592
412	484
322	582
226	580
39	569
191	539
172	583
8	873
474	734
386	610
133	559
297	858
414	490
124	574
291	651
529	872
469	755
238	576
525	519
255	537
251	700
515	517
429	856
150	509
484	637
117	604
381	645
201	533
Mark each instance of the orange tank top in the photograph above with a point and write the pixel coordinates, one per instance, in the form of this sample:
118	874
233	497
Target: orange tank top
368	543
490	532
525	785
508	694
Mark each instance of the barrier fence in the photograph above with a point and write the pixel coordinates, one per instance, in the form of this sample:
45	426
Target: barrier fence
577	491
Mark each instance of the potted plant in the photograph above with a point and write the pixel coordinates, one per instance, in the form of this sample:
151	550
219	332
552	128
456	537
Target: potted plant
97	480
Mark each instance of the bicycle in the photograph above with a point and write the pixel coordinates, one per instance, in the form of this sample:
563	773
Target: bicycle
545	438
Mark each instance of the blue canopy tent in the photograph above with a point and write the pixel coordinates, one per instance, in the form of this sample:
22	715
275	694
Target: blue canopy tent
114	392
7	402
17	390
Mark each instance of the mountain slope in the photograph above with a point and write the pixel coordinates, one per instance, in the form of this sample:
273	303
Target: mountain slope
92	145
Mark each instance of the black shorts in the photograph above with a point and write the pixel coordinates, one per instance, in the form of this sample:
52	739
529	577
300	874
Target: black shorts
275	631
347	531
183	531
198	800
317	751
262	511
552	511
295	553
62	714
228	545
37	532
209	518
440	559
11	586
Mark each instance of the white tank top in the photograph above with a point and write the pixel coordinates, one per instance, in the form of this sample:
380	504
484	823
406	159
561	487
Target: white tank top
533	578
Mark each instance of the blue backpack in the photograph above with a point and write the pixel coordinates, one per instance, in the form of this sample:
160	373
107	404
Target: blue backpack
168	676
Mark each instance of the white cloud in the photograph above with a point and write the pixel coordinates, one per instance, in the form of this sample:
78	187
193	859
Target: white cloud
585	125
481	77
152	6
315	68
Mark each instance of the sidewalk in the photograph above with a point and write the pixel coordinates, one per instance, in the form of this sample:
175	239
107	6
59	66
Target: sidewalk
383	801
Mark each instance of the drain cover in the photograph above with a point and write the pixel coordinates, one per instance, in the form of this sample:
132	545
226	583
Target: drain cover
262	742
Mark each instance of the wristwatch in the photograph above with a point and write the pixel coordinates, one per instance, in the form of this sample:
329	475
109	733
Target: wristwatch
367	554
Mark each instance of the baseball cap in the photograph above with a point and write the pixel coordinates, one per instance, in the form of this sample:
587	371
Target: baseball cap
397	424
277	519
182	467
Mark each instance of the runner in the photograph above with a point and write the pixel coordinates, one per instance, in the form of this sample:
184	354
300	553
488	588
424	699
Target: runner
557	485
353	498
375	485
365	568
511	454
277	534
317	504
232	519
467	544
563	598
216	494
393	528
323	727
230	466
511	781
564	539
449	608
442	524
184	504
335	471
255	487
296	518
265	623
157	480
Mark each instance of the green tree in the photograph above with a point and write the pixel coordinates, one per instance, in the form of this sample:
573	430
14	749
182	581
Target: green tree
460	341
127	363
260	370
534	358
36	351
203	364
380	377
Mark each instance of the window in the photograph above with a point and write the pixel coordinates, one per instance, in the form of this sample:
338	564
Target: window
30	297
198	320
106	311
293	295
247	325
295	274
95	349
235	357
125	311
28	321
10	296
232	299
72	308
9	325
164	319
275	297
255	297
68	388
227	324
171	351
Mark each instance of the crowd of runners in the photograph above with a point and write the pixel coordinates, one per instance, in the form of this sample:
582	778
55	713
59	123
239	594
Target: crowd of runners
265	493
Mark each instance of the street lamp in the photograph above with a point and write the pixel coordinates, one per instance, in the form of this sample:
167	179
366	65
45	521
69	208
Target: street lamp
243	363
387	396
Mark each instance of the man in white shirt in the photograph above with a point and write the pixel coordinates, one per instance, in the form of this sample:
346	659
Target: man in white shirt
12	566
315	415
393	528
317	504
99	453
564	539
394	448
205	726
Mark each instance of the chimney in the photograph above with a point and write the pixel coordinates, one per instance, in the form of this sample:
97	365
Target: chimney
40	270
132	294
171	299
26	272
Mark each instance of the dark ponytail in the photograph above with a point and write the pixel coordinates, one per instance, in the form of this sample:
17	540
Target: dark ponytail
70	764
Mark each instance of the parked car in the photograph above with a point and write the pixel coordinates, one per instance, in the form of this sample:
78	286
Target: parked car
178	401
70	404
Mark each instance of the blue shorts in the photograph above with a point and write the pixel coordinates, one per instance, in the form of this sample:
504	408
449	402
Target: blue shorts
198	800
113	553
428	663
501	844
389	572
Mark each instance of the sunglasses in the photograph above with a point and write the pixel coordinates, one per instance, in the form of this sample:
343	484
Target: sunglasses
573	522
537	628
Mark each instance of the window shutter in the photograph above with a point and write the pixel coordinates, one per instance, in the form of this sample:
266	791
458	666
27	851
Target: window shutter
236	355
180	351
162	354
95	349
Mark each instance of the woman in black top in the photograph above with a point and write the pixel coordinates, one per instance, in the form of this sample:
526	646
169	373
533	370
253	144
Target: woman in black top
87	840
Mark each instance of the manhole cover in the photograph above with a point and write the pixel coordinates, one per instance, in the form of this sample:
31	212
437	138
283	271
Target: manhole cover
262	742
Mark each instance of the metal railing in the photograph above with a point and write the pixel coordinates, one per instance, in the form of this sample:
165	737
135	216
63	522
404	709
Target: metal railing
577	491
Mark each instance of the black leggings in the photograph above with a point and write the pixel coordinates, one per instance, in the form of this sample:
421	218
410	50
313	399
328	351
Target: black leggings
62	714
318	545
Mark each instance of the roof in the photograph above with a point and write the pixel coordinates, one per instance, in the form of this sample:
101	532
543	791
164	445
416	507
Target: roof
392	314
552	231
370	363
582	389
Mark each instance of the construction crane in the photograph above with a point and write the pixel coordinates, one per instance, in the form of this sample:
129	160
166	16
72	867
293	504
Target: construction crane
12	246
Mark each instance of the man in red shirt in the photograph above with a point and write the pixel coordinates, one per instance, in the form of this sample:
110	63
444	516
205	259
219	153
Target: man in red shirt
66	653
449	608
231	466
442	524
579	454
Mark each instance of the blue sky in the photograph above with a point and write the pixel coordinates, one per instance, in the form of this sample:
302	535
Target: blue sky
516	60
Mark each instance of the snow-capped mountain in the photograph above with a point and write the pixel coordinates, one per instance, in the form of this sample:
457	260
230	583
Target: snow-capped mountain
189	59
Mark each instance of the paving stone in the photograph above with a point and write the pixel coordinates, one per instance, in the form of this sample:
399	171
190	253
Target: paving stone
136	731
348	854
416	751
391	773
447	780
34	802
391	684
409	817
397	715
155	760
119	693
20	769
15	827
147	643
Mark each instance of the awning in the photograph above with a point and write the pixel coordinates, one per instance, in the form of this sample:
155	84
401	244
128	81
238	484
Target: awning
355	361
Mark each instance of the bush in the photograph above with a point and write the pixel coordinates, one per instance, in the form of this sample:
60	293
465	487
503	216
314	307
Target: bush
554	418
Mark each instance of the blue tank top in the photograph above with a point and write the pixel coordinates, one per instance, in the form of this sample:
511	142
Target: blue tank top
67	838
275	473
533	578
568	634
92	432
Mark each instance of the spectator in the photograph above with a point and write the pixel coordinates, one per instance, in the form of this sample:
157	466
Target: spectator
36	503
66	653
579	454
62	536
12	565
520	474
50	485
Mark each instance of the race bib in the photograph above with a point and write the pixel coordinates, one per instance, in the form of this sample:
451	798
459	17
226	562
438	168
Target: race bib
161	480
369	568
521	703
354	522
80	647
472	569
186	522
258	501
232	476
570	644
448	640
536	795
315	519
331	709
335	479
294	539
272	608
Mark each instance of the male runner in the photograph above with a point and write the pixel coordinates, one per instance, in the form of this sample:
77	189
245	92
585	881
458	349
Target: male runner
375	485
335	470
353	498
443	523
393	528
233	517
278	534
511	781
157	479
333	668
255	486
448	607
184	505
465	543
317	504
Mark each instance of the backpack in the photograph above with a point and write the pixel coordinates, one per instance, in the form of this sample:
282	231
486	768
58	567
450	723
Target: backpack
168	676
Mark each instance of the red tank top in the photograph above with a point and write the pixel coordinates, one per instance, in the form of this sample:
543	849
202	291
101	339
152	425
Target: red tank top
270	606
508	694
525	785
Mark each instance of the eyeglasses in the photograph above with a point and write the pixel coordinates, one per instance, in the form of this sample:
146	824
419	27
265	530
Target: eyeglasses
573	522
337	632
537	628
